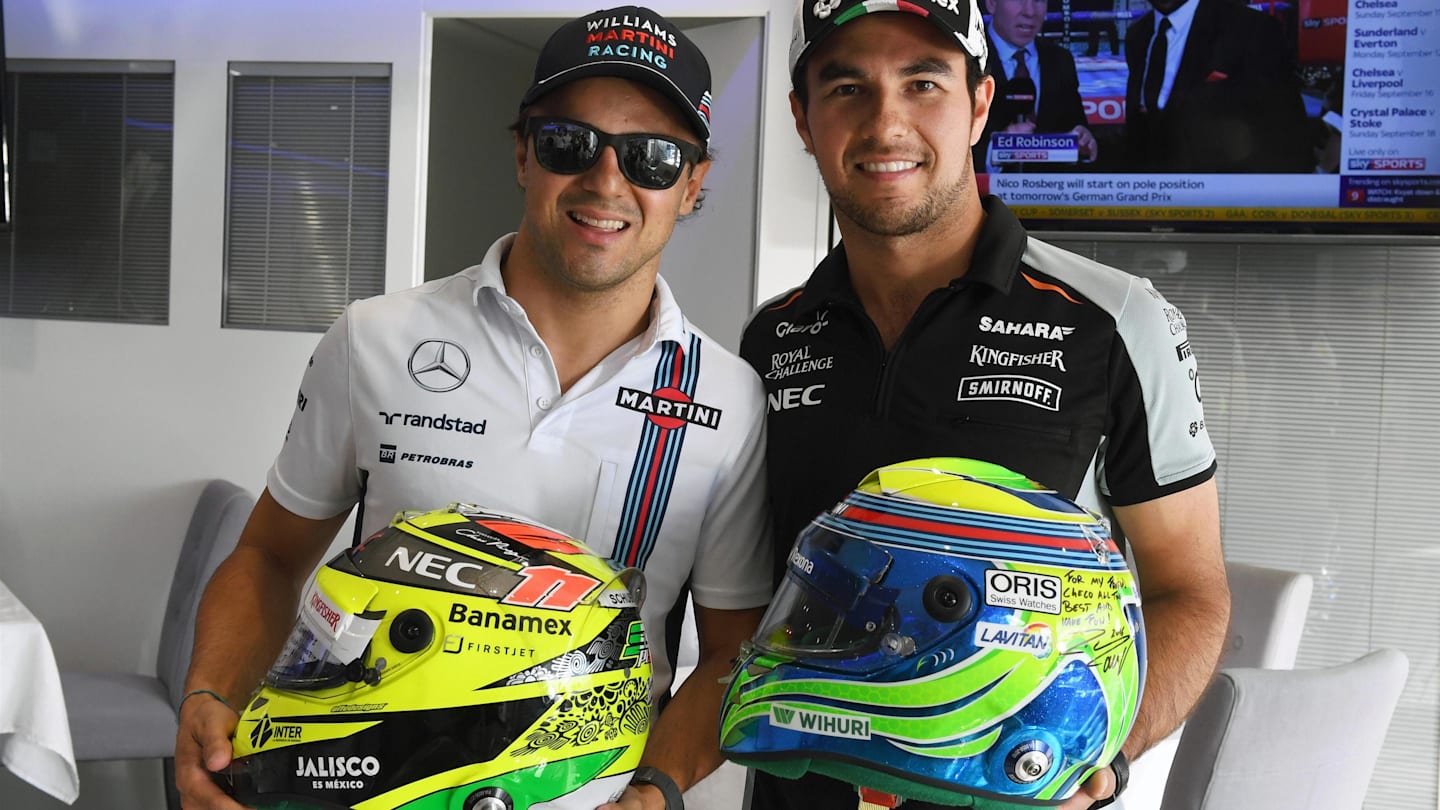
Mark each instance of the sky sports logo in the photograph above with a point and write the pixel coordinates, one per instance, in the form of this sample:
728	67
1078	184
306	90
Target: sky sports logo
851	727
1390	164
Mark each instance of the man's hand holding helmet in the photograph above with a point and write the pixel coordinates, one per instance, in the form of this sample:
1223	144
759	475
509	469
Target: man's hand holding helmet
202	748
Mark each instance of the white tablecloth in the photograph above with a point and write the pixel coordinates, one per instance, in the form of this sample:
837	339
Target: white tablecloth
34	728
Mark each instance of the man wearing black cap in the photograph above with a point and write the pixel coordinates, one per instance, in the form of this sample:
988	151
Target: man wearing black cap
938	327
557	380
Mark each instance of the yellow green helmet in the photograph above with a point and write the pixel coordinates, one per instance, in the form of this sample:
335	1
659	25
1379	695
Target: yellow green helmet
459	659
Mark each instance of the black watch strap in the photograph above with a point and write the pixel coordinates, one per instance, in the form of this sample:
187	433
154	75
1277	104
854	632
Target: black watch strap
646	775
1121	767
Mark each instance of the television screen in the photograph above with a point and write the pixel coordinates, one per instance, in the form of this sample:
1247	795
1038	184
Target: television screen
1315	116
6	134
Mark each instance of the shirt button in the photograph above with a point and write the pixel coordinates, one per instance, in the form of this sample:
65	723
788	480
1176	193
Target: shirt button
537	351
543	403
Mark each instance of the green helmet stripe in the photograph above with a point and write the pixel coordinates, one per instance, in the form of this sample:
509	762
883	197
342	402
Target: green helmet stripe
520	784
961	750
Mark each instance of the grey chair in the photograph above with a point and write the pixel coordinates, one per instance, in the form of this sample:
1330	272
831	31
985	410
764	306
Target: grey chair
1268	607
1291	739
127	715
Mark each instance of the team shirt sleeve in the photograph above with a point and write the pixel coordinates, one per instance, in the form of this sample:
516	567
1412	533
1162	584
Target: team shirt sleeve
1156	443
733	558
315	475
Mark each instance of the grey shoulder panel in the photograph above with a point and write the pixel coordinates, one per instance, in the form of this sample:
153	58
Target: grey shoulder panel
1154	336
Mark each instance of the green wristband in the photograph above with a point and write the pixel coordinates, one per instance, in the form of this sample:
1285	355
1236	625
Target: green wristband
194	692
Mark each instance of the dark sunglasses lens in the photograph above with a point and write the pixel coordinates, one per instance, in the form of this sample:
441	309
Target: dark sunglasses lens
652	162
565	148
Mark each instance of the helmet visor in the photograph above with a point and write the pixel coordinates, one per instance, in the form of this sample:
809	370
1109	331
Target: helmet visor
324	643
830	603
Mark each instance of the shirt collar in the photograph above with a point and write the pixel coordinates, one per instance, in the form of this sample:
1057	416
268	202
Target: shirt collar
667	322
1005	49
1180	18
998	251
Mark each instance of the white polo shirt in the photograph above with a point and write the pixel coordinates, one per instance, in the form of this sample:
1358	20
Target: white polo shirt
445	392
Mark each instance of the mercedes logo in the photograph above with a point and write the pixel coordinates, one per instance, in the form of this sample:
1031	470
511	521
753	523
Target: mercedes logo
439	365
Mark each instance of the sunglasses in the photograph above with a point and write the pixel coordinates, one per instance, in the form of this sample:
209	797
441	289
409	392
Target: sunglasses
652	161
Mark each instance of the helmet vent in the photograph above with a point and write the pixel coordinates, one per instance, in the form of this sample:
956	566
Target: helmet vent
411	631
947	598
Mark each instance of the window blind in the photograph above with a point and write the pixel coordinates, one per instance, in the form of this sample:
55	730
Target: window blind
306	194
1317	364
91	180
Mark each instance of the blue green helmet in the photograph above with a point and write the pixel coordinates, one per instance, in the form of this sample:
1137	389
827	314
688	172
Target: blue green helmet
950	632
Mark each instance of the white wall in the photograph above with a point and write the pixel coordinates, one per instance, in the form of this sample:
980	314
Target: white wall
106	431
476	79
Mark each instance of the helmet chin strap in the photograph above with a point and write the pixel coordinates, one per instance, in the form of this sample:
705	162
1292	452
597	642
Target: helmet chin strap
875	800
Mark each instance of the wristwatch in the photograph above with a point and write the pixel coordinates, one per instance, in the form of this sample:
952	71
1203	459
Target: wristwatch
646	775
1121	766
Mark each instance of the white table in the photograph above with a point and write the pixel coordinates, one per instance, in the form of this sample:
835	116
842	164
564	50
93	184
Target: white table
34	728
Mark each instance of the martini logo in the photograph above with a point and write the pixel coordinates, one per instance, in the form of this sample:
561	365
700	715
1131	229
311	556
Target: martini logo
1033	638
669	408
631	28
849	726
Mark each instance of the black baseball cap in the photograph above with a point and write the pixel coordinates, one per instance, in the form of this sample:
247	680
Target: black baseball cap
815	19
633	43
